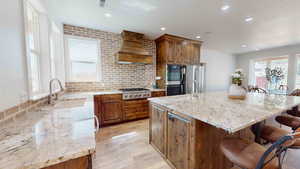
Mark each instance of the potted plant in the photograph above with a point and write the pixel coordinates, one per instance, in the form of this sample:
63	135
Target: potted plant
236	91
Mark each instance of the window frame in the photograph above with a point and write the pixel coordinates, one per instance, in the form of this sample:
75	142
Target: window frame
68	62
36	51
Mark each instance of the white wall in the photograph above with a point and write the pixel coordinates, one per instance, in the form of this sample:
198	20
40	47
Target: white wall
219	67
13	63
13	79
243	60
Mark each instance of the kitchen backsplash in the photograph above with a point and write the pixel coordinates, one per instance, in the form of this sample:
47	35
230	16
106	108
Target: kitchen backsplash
114	75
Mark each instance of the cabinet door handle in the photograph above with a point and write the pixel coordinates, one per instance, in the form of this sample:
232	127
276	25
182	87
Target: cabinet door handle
97	123
159	109
172	116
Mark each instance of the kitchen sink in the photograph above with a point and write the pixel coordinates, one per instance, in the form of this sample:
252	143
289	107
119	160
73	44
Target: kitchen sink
65	104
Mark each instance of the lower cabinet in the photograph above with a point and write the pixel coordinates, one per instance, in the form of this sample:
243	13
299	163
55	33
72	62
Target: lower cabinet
78	163
108	108
111	112
170	136
158	129
112	109
178	135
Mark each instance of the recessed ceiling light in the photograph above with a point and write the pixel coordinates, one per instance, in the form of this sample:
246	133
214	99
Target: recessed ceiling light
163	28
256	49
225	7
198	37
244	46
108	15
249	19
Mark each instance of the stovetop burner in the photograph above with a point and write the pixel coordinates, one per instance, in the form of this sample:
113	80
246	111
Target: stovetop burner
135	93
133	89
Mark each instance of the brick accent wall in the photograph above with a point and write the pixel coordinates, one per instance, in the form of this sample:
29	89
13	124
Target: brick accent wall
114	75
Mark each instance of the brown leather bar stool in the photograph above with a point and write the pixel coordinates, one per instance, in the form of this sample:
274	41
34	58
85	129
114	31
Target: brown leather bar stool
250	155
272	134
290	121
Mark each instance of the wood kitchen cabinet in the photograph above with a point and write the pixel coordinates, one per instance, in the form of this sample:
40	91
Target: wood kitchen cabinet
158	123
109	109
178	135
175	50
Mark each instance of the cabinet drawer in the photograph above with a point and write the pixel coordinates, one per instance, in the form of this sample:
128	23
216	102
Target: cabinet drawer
112	97
158	94
135	109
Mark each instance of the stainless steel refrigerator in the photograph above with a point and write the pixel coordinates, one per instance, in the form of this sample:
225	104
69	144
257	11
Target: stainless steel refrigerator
185	79
195	78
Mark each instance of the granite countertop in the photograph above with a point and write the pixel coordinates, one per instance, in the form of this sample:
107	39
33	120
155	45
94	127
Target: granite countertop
49	135
215	108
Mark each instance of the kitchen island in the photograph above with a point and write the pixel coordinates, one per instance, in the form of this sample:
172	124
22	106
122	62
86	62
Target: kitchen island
187	130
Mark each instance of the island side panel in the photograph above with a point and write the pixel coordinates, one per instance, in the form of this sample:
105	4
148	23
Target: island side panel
84	162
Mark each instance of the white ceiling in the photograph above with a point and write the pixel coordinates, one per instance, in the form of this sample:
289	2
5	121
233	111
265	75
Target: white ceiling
276	22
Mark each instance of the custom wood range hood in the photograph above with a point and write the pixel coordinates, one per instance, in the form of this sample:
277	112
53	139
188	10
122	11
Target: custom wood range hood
132	50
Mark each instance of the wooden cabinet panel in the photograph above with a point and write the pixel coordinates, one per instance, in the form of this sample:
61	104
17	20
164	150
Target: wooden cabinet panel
171	52
111	97
78	163
178	135
158	129
109	109
111	112
195	54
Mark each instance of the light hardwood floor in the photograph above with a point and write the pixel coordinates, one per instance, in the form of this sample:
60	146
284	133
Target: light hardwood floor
126	146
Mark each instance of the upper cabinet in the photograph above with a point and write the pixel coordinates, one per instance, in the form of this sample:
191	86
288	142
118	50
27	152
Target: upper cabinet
176	50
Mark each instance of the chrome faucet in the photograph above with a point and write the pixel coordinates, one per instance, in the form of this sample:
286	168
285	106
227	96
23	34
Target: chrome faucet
51	90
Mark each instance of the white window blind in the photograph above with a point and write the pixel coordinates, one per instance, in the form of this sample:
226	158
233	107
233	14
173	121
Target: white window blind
83	59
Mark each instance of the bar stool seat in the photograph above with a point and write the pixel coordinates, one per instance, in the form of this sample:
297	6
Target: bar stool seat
290	121
246	154
272	134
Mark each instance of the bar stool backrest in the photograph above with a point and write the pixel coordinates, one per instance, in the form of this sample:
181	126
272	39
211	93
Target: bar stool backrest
295	92
280	146
257	90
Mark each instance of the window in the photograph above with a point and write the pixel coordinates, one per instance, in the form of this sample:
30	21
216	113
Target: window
33	47
297	81
83	61
275	84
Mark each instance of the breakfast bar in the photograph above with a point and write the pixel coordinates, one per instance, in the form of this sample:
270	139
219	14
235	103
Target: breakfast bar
187	130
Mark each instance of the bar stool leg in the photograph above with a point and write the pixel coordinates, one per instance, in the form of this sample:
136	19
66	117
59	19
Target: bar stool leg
256	129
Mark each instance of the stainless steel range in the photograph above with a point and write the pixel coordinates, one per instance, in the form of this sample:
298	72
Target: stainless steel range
135	93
